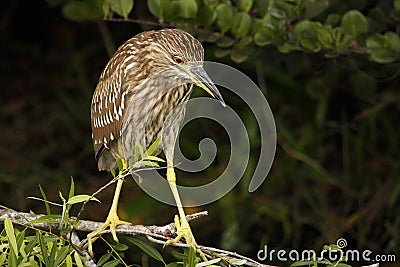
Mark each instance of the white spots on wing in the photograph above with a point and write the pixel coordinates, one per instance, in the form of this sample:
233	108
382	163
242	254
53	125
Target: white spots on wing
123	100
116	112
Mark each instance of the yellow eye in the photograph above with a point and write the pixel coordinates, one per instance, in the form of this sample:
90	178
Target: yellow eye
178	60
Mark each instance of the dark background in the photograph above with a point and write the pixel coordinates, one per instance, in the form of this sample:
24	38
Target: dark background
337	166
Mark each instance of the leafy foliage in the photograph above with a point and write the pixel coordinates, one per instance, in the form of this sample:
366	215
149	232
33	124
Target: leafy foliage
289	25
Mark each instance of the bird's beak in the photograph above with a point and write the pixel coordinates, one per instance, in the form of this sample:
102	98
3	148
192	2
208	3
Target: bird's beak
202	80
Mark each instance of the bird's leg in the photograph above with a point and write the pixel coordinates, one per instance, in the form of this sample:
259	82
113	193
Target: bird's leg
112	220
182	225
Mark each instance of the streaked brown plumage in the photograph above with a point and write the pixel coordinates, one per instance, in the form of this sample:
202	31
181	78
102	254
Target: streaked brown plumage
149	78
140	82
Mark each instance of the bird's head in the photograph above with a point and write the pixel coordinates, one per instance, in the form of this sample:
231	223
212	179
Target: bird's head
182	53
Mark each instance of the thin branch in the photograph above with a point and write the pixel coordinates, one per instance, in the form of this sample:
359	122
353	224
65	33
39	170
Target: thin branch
139	21
154	233
165	25
107	39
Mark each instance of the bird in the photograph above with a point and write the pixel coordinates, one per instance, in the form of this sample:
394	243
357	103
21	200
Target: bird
140	98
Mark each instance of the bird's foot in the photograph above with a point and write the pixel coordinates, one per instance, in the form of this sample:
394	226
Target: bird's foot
112	222
183	231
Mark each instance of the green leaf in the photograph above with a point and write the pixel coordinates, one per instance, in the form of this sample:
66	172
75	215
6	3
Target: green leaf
68	261
354	23
3	258
46	219
121	7
103	259
210	262
393	41
187	8
8	225
146	247
212	38
154	158
77	259
376	20
315	7
154	7
192	259
241	24
261	6
237	262
71	189
341	40
71	192
245	41
169	8
281	10
179	255
396	4
264	36
384	48
81	198
32	243
206	16
120	164
120	247
325	37
52	255
224	16
83	10
238	55
332	19
45	200
139	150
219	53
43	248
225	42
244	5
375	41
112	263
153	147
173	264
305	33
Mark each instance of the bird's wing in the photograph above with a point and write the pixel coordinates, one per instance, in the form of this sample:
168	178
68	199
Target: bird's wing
108	106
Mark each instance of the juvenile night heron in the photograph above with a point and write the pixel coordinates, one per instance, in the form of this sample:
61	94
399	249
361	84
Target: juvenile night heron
149	77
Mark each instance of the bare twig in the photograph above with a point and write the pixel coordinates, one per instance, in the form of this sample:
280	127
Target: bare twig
107	39
154	233
139	21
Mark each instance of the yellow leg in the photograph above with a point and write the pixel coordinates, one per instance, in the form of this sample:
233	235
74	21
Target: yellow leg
182	225
112	220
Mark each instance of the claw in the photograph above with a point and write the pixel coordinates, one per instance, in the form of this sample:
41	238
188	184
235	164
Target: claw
183	231
112	222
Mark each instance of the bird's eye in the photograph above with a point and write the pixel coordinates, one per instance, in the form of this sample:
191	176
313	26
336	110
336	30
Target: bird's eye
178	60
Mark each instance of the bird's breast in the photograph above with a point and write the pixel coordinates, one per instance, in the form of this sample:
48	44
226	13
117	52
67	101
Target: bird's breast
152	114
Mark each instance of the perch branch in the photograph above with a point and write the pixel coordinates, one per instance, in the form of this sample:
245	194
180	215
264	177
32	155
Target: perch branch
154	233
